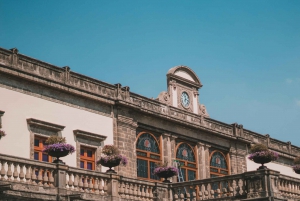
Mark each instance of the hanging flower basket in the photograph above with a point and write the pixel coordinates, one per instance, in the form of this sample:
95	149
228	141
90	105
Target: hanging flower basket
2	134
165	172
111	158
260	154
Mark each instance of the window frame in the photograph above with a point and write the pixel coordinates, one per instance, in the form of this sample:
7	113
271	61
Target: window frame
218	174
39	149
87	159
185	167
148	155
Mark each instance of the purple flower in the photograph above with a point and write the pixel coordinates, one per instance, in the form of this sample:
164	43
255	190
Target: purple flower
296	167
112	158
264	154
59	147
158	170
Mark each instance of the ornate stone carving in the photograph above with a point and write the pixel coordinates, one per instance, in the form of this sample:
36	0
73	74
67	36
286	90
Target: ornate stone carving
164	97
203	111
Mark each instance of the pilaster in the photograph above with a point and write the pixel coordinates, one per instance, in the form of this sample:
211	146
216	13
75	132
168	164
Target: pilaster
125	137
203	161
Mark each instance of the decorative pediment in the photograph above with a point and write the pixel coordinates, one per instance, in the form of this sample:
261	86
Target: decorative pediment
184	74
88	137
45	128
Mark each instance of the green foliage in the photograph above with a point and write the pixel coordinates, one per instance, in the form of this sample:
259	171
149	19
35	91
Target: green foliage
110	150
56	139
258	148
297	160
161	164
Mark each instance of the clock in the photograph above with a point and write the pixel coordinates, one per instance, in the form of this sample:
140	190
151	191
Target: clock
185	99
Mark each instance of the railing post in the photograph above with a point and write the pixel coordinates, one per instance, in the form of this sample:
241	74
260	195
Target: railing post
60	179
162	192
113	187
262	184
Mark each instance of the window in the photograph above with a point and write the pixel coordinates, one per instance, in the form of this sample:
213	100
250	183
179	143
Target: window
218	164
186	157
218	168
89	145
38	154
87	158
148	153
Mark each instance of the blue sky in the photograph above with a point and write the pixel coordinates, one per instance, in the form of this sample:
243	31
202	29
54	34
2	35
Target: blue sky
246	53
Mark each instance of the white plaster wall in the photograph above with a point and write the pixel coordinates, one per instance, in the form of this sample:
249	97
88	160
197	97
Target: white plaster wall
18	107
285	170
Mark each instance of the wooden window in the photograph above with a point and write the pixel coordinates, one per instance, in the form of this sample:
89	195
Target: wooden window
148	153
39	143
87	158
185	155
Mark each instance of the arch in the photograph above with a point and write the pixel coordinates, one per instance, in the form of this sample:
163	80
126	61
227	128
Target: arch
185	152
185	155
218	164
186	73
148	153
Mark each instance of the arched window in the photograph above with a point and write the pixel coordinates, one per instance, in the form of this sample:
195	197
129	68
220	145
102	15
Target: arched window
218	164
148	153
186	156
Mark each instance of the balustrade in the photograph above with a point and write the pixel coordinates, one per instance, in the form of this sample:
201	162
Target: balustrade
220	187
87	181
15	169
289	187
76	181
134	189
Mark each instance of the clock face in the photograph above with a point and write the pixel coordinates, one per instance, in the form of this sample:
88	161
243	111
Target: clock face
185	99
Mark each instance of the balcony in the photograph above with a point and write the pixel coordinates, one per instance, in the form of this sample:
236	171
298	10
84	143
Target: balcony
24	179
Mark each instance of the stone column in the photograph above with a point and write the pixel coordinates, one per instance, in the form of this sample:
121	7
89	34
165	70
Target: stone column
166	148
125	138
206	162
173	147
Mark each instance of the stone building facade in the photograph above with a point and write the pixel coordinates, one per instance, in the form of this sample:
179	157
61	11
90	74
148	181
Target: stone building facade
39	99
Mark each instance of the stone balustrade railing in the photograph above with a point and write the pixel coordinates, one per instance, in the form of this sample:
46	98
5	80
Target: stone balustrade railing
133	189
220	187
289	187
15	169
87	181
69	183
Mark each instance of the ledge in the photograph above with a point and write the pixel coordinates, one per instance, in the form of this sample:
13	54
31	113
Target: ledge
45	125
89	135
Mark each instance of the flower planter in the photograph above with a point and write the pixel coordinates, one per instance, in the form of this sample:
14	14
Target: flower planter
166	175
110	164
297	171
262	157
262	161
57	154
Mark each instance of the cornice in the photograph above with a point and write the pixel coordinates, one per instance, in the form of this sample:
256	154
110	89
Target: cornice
45	125
89	135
